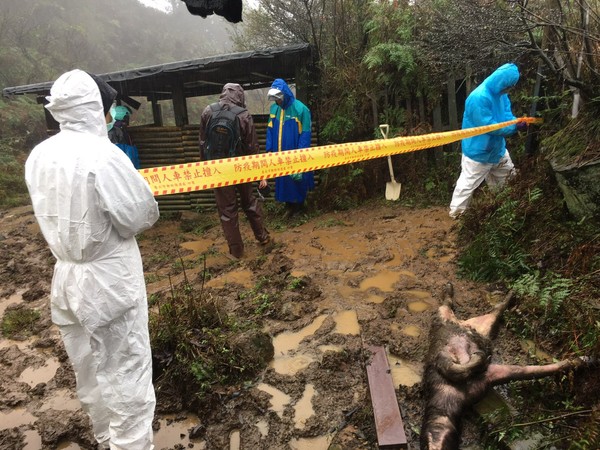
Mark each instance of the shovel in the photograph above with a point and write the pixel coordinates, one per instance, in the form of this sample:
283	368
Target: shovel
392	188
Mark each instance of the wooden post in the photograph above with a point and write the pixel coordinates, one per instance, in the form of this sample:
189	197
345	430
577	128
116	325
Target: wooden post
468	79
452	112
157	113
179	104
409	113
52	125
435	153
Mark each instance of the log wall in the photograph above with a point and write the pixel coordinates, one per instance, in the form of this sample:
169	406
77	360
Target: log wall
172	145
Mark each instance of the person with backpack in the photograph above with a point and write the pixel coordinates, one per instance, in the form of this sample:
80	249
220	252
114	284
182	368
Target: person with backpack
227	130
289	128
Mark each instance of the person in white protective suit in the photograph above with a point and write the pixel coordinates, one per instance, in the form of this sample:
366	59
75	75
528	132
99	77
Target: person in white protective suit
90	202
485	157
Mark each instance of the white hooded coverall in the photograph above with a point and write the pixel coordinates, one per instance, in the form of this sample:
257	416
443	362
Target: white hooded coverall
90	202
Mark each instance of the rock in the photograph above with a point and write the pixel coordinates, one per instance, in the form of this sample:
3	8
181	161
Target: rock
580	188
255	346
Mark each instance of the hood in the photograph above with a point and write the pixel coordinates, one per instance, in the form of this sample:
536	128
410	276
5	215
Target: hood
119	112
288	95
502	78
233	93
76	104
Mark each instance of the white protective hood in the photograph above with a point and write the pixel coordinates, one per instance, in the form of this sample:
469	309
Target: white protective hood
90	202
75	103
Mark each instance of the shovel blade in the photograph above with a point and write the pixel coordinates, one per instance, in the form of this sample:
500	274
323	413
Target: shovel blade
392	190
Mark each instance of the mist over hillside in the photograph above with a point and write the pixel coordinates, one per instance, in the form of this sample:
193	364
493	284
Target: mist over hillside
40	39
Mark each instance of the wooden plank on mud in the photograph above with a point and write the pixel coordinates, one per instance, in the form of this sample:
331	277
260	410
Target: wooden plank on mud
388	421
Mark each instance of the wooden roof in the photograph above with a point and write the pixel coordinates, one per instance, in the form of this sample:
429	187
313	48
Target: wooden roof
198	77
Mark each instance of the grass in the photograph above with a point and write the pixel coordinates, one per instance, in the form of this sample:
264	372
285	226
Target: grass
19	322
522	238
196	345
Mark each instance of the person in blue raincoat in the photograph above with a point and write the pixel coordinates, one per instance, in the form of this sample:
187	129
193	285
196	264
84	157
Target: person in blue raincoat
485	157
289	128
118	134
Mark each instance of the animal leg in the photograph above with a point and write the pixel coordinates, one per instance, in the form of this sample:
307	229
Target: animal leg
500	374
445	310
486	324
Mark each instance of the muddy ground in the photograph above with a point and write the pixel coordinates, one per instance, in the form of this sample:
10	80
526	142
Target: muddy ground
373	275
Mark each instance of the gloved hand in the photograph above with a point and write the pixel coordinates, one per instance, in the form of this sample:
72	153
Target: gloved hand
521	126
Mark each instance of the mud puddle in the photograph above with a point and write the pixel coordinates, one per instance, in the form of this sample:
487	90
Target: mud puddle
378	271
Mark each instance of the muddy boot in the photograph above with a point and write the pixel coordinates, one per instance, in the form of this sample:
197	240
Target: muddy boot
289	210
267	244
296	209
236	251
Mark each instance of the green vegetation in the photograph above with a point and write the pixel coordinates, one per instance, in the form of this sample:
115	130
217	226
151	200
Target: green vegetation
522	238
195	345
19	322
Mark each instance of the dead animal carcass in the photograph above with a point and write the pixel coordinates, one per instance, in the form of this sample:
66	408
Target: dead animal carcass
459	371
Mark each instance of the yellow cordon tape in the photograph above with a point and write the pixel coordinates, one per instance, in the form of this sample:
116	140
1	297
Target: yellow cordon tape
217	173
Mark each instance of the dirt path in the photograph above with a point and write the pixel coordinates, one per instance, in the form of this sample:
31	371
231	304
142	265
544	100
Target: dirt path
371	276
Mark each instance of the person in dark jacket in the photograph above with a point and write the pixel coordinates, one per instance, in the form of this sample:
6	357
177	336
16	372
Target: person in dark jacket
485	157
289	128
227	205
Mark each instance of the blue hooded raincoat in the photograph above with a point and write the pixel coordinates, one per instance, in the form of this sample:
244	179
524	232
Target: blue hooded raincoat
289	128
489	104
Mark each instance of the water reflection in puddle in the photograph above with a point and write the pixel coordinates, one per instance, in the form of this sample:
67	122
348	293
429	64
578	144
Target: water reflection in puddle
14	299
176	432
286	342
384	281
403	372
197	247
234	440
263	427
243	277
33	440
346	322
279	400
15	418
418	306
373	298
21	345
62	400
411	330
68	446
291	365
303	409
318	443
33	376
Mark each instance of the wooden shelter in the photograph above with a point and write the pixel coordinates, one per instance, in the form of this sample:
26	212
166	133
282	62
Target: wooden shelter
160	145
